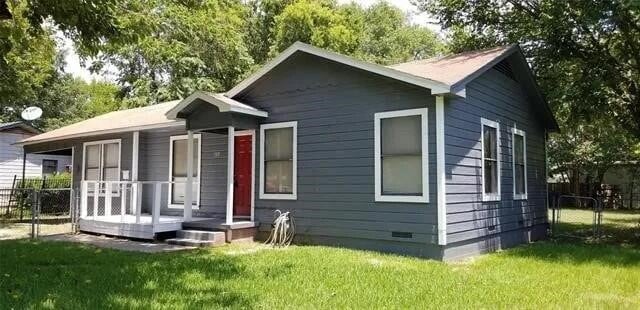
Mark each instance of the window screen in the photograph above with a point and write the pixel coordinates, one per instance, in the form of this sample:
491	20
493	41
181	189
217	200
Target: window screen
278	160
519	164
179	169
490	149
49	166
92	162
401	152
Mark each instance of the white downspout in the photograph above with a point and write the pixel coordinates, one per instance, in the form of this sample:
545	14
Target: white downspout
440	172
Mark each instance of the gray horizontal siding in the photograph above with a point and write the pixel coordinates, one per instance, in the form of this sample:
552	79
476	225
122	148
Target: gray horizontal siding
469	219
334	107
76	144
154	166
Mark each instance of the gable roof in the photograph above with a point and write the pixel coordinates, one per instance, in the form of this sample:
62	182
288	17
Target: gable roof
436	87
21	125
223	103
148	117
457	69
443	76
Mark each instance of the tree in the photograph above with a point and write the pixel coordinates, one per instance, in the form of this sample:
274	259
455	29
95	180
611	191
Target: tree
260	26
317	23
595	43
586	56
387	38
380	33
28	62
167	49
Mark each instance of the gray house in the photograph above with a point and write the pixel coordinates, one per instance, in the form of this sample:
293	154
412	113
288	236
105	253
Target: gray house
439	158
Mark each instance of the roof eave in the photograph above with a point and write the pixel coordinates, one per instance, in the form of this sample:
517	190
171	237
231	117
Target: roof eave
30	140
435	86
222	106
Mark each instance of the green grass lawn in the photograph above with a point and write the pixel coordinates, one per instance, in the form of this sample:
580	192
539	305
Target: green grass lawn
541	275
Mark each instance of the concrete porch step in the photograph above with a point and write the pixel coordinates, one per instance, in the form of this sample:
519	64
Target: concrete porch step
218	236
194	242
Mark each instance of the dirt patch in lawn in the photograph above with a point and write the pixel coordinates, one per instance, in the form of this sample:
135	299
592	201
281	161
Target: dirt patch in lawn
23	230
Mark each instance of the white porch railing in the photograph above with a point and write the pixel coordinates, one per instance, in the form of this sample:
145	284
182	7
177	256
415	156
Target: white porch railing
124	201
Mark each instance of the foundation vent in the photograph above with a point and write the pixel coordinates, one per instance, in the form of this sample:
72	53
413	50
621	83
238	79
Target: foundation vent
401	234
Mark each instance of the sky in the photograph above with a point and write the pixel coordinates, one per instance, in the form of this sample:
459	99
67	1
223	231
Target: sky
75	67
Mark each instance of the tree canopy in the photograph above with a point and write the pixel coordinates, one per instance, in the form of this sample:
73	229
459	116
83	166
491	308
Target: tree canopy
586	56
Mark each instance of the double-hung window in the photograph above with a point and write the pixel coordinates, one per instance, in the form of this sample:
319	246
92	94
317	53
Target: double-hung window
278	161
101	161
49	166
178	170
490	136
519	149
401	157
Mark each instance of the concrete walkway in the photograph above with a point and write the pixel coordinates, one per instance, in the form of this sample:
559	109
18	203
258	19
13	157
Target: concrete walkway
118	244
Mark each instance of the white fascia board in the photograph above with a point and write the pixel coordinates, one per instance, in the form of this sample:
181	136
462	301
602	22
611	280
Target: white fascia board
106	132
221	103
434	86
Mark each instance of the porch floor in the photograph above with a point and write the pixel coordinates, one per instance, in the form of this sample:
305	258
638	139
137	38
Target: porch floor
115	225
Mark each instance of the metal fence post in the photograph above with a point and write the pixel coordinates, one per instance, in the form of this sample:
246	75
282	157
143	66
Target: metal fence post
34	201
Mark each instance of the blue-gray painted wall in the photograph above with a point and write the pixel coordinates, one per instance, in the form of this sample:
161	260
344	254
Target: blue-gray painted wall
334	106
474	226
154	166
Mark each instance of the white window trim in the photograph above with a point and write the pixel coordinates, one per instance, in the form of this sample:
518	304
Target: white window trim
294	194
198	166
379	197
519	132
496	125
84	161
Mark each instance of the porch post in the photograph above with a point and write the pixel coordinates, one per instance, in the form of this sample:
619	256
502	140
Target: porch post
230	173
188	188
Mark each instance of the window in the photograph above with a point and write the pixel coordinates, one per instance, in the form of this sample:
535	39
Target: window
49	166
101	161
519	149
278	161
401	157
490	137
178	170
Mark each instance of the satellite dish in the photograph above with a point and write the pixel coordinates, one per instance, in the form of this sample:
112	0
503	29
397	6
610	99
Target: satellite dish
31	113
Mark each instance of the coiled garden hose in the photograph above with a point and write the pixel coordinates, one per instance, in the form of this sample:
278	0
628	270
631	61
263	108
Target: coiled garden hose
283	229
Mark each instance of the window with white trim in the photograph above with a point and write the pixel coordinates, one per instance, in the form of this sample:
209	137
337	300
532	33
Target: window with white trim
278	161
401	157
490	137
519	149
101	162
178	170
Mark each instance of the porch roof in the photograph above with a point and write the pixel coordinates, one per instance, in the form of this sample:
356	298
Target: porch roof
148	117
222	102
204	111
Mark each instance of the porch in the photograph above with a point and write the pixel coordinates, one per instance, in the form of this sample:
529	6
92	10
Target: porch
134	209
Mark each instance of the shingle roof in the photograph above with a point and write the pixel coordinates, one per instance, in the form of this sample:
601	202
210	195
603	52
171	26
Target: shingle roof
454	69
20	124
117	121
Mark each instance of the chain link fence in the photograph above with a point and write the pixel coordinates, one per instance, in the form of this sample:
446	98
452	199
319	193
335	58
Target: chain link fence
576	217
28	212
593	220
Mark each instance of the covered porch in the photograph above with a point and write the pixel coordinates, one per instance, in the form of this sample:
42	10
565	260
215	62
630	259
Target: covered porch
159	169
143	207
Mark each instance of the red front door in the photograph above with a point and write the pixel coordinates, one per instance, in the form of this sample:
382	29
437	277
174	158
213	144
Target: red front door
242	176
